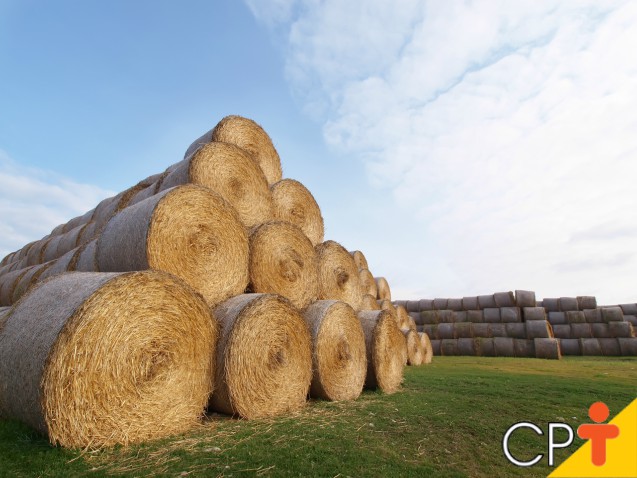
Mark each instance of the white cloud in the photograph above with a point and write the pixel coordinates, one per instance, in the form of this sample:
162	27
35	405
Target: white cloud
33	202
505	130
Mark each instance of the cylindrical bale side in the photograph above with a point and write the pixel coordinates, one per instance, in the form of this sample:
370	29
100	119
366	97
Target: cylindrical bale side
446	330
338	275
556	318
516	330
428	317
470	303
294	203
524	298
446	315
384	292
612	314
620	329
413	306
89	232
85	258
467	346
575	317
29	279
481	330
140	379
361	261
475	316
427	349
601	331
455	304
369	302
547	348
498	330
461	316
189	231
562	331
339	360
58	266
534	313
441	304
36	252
431	331
524	348
492	315
368	283
486	301
586	302
504	299
75	222
610	347
551	304
415	352
504	347
631	319
593	316
435	347
510	314
463	330
570	347
537	329
386	350
581	331
629	309
264	357
283	261
448	347
568	304
425	304
486	346
49	252
8	283
628	346
590	347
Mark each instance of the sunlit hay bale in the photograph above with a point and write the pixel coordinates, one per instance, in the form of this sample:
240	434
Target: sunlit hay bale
338	274
294	203
251	137
369	302
360	260
73	223
94	359
231	172
36	253
339	357
368	284
428	352
536	329
386	350
88	233
150	187
415	352
549	348
189	231
384	292
28	280
404	320
283	261
264	357
58	266
8	283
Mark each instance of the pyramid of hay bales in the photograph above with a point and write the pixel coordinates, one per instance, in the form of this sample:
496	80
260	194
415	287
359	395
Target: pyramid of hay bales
209	285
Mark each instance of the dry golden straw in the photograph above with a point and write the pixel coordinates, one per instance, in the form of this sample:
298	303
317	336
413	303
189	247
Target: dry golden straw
338	350
231	172
384	293
189	231
386	350
368	284
427	348
404	319
251	137
94	359
368	302
415	353
264	357
360	260
338	274
294	203
283	261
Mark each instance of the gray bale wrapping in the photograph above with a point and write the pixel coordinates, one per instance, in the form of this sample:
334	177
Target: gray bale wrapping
629	309
547	348
570	347
441	304
593	316
470	303
510	314
486	301
516	330
551	304
524	298
600	331
504	347
504	299
475	316
581	331
455	304
610	347
585	302
492	315
575	317
425	304
524	348
620	329
612	314
590	347
534	313
537	329
562	331
628	346
568	303
556	318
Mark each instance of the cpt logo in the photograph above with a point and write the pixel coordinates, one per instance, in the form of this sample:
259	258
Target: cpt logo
598	433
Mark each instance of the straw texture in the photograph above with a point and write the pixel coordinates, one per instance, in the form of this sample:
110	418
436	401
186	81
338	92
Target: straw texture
338	274
369	302
294	203
428	352
339	359
384	292
415	352
360	260
98	359
368	284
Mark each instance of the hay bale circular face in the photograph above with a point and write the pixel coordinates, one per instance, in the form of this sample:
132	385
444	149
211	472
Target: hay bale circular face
231	172
294	203
386	350
428	352
369	302
360	259
250	136
264	357
189	231
338	274
384	292
123	358
338	354
415	352
283	261
368	284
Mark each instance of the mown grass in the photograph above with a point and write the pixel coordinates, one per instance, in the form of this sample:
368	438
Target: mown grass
448	421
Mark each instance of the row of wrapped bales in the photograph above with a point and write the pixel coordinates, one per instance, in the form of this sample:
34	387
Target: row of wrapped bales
520	298
546	348
521	330
602	346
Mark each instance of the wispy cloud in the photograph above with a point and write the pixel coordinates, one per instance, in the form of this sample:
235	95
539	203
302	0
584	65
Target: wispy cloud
504	128
33	202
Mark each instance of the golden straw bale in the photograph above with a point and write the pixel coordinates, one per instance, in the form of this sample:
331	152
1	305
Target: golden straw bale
427	348
368	284
415	352
338	274
95	359
250	136
384	293
369	302
338	350
294	203
386	350
283	261
404	319
264	357
231	172
360	260
189	231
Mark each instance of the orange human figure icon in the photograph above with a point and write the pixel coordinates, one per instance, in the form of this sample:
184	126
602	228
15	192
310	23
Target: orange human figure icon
598	432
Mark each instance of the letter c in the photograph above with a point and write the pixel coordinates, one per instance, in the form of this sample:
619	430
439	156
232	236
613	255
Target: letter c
505	444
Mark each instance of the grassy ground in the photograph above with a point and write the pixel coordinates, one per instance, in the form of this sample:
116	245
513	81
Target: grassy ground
448	421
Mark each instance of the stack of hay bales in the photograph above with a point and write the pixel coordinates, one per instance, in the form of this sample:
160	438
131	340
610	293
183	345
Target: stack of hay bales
209	285
486	325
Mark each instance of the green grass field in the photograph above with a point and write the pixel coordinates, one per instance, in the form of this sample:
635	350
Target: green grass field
448	421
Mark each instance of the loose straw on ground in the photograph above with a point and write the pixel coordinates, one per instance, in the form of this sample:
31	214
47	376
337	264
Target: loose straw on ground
338	274
338	353
95	359
283	261
294	203
264	357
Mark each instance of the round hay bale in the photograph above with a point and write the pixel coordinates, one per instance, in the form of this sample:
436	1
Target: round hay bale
570	347
49	252
534	313
107	208
69	240
590	347
475	316
575	317
446	330
149	190
386	350
415	352
428	317
510	314
251	137
631	319
144	343
264	357
481	330
470	303
85	258
612	314
562	331
586	302
627	309
593	316
504	347
551	304
413	306
600	331
8	284
486	346
404	320
486	301
368	284
524	298
620	329
425	304
369	302
89	232
524	348
58	266
504	299
568	304
580	331
427	349
384	292
463	330
610	347
547	348
431	331
415	317
339	360
360	260
491	315
498	330
338	274
231	172
283	261
30	278
628	346
556	318
461	316
515	330
435	347
467	346
294	203
441	304
75	222
455	304
448	347
189	231
536	329
36	252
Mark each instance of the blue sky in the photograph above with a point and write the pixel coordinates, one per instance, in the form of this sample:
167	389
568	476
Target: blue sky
464	147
